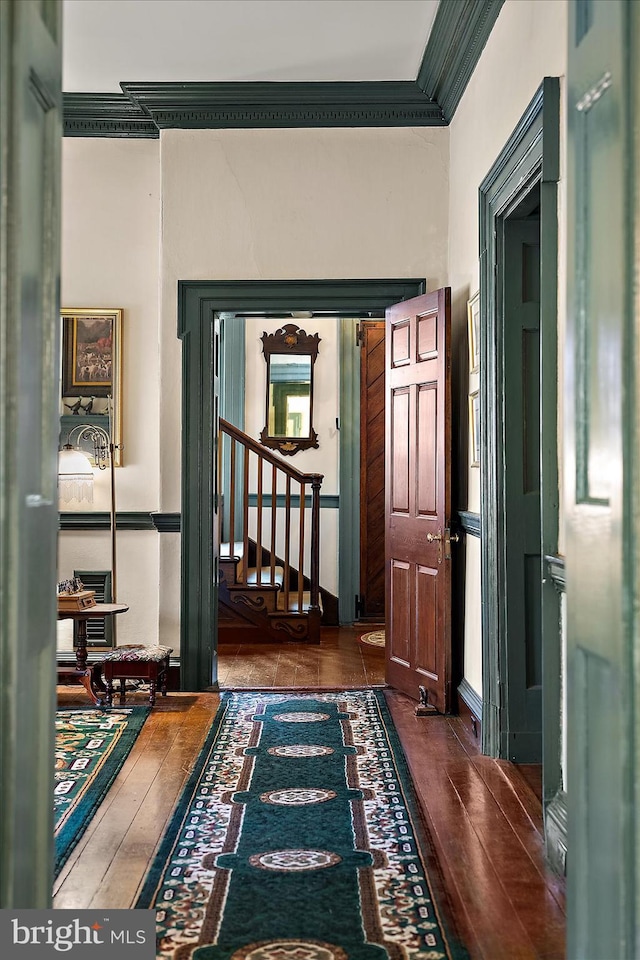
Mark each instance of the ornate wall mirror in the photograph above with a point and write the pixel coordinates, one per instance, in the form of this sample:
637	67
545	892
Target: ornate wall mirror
290	354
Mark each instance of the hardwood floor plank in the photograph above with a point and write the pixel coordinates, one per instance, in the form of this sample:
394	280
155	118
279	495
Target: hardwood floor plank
483	816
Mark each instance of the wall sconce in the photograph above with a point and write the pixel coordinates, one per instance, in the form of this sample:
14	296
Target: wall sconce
75	475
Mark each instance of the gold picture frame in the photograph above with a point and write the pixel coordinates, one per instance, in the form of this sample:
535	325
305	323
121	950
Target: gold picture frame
473	324
91	375
474	428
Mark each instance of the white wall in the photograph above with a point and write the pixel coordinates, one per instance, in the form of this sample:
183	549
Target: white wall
528	42
110	258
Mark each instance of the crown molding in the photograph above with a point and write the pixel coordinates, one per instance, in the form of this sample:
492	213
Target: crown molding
143	109
106	115
284	105
459	33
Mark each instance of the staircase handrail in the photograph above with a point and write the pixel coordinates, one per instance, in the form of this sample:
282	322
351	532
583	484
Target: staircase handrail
292	473
267	455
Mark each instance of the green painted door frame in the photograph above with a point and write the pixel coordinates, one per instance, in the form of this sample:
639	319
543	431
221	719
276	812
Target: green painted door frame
530	157
199	303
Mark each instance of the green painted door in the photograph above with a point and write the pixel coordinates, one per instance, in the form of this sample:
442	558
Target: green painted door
522	730
600	434
30	132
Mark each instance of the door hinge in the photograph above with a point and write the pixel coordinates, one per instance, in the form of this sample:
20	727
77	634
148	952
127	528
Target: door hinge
359	334
359	605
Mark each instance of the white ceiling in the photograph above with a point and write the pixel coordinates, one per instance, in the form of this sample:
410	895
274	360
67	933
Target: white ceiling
108	41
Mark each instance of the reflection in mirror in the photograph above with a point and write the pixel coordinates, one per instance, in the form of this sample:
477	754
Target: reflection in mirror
289	396
290	354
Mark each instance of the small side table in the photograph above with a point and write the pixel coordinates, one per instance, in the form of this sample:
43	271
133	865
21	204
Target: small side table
79	670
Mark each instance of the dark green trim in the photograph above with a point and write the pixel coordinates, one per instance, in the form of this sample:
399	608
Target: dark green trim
232	370
328	501
556	832
557	572
460	31
166	522
472	699
199	303
232	403
530	156
130	520
349	517
106	115
274	296
470	522
282	104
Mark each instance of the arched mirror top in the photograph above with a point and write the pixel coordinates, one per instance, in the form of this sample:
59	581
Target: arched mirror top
290	354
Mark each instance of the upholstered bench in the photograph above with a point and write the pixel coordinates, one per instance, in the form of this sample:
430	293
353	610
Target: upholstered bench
136	662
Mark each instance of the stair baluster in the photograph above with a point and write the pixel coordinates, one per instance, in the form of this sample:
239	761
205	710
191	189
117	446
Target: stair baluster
273	596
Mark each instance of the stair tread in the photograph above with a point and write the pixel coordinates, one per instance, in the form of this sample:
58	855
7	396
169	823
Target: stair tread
293	602
265	575
228	551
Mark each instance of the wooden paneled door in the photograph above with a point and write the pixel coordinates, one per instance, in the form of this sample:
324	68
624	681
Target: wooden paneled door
418	497
602	456
372	469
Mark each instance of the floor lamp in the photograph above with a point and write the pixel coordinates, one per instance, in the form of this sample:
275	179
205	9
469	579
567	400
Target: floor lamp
75	478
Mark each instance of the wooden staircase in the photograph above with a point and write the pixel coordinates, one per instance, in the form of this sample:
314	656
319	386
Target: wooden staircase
269	545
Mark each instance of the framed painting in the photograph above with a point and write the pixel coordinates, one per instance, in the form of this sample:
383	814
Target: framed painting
474	428
91	376
473	323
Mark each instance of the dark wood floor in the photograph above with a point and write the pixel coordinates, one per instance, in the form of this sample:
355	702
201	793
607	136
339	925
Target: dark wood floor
484	815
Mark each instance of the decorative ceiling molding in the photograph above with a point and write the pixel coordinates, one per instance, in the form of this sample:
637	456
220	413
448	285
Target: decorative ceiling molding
106	115
278	104
459	33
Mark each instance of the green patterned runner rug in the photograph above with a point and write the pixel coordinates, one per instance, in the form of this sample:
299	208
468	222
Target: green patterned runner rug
91	746
298	837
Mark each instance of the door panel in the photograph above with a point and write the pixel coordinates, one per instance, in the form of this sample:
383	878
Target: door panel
400	451
426	626
400	609
419	498
427	451
601	482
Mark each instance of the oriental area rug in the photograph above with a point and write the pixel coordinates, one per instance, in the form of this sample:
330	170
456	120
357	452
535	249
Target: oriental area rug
375	638
298	837
91	746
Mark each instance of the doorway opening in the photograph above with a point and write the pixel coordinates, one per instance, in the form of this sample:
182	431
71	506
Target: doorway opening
519	451
200	305
519	281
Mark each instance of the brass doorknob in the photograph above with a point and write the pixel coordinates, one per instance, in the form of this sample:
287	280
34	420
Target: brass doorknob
434	536
454	537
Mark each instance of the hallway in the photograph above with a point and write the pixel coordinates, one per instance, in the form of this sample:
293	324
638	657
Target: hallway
484	815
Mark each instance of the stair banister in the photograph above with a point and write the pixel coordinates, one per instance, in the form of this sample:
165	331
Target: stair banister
292	474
